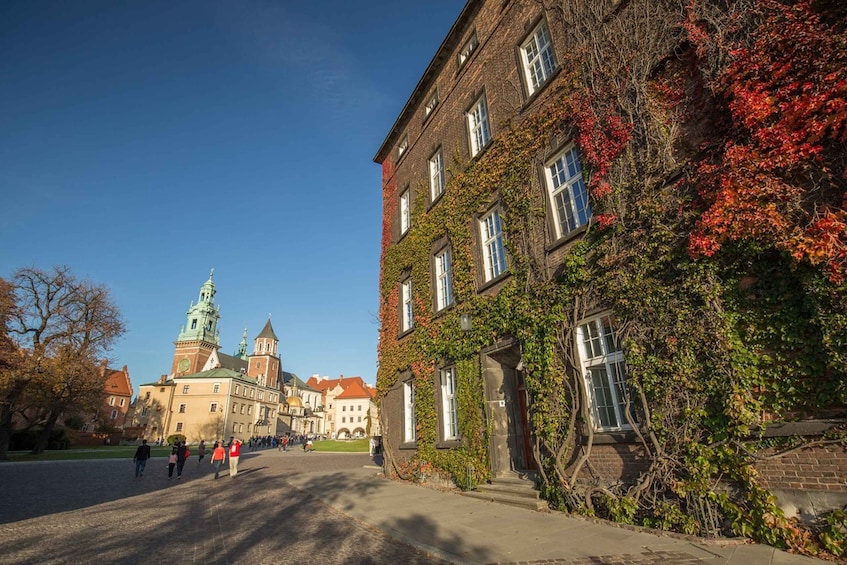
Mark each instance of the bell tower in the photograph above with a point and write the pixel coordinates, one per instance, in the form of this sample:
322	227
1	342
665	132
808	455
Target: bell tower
200	336
264	364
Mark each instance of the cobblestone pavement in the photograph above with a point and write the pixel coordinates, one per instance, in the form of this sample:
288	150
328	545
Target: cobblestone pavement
98	512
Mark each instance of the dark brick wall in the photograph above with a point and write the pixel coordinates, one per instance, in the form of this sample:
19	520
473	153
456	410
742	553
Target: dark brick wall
815	468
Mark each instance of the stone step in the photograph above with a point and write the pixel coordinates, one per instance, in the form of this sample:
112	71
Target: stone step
521	501
509	488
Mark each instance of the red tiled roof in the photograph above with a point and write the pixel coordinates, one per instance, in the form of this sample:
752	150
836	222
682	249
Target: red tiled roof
118	382
355	389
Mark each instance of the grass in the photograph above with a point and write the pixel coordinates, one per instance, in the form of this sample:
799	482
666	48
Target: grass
127	451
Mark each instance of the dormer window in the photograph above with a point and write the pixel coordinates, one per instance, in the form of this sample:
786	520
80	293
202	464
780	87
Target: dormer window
468	49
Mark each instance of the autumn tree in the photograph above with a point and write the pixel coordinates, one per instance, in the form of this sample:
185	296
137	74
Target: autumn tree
61	328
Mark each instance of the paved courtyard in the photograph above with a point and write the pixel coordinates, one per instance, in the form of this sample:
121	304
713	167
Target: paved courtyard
98	512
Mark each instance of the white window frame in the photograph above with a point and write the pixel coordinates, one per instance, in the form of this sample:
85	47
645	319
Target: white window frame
179	426
567	191
431	104
216	388
403	146
405	211
443	279
436	175
493	248
409	433
185	389
449	408
407	314
468	48
602	362
478	127
537	57
111	401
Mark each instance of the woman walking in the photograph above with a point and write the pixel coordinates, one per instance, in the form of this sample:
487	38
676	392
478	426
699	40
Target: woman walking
218	456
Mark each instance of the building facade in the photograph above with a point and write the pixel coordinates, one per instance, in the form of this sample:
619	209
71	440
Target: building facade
210	395
350	409
544	312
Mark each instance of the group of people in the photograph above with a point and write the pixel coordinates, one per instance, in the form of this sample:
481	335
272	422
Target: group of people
180	452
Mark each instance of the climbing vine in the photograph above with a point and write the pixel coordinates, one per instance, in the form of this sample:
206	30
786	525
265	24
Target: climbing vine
716	160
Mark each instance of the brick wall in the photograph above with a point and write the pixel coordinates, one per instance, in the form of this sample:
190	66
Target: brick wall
613	462
815	468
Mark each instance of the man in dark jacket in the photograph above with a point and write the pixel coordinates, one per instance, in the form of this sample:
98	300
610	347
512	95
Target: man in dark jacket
142	454
182	453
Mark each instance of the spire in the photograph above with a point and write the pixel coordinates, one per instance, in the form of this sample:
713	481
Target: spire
242	347
203	316
268	331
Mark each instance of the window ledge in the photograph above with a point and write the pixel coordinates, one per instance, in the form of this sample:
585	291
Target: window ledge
409	445
532	97
404	333
568	237
610	438
501	277
448	444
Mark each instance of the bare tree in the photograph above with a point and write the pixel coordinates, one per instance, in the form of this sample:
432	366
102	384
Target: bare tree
61	327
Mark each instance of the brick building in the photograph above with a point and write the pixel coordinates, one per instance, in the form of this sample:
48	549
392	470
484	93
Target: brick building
498	67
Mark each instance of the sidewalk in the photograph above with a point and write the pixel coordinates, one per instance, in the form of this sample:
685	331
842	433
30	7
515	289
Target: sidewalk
461	529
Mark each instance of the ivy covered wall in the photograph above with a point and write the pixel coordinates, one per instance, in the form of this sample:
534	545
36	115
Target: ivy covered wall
717	166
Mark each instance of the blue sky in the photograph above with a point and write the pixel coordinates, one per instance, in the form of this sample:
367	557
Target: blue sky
143	143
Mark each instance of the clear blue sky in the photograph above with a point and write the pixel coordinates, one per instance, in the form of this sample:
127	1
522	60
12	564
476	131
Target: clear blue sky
143	143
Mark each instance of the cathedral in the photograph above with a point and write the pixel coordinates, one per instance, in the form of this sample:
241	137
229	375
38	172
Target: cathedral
210	395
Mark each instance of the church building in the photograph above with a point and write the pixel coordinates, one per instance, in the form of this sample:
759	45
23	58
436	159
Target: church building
210	395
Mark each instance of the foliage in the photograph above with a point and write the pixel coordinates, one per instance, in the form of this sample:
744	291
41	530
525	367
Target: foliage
717	166
834	537
173	438
60	328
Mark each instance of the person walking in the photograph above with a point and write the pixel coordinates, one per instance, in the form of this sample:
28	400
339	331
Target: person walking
172	462
201	450
142	454
234	453
182	453
218	456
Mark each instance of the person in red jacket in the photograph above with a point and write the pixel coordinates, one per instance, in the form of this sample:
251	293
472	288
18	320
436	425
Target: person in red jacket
234	452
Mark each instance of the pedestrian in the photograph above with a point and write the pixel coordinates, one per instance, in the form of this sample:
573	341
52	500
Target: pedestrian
372	446
142	454
234	453
307	447
285	443
218	456
182	454
201	450
172	461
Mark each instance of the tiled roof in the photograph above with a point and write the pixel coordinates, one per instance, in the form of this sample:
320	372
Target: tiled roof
355	390
118	382
232	362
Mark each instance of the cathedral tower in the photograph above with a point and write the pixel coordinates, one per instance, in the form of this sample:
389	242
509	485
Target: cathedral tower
264	363
199	337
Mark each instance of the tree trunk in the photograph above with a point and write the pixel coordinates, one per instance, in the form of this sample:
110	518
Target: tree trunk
6	428
44	435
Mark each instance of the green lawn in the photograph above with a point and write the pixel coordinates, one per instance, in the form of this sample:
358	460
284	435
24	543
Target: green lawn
127	451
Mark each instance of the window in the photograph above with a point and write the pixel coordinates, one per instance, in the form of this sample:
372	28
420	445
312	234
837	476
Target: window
194	324
359	408
147	395
344	419
431	103
359	419
252	392
409	411
436	175
406	316
242	409
123	401
467	49
443	280
114	414
344	408
448	404
249	409
213	407
216	388
567	192
403	146
111	401
478	126
182	408
144	411
537	56
493	252
602	363
179	427
234	408
234	428
185	389
240	428
237	389
261	395
405	212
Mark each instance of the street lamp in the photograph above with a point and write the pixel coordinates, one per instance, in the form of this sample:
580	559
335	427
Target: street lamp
466	322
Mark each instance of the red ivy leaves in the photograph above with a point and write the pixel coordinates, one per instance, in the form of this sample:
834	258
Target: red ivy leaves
787	92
